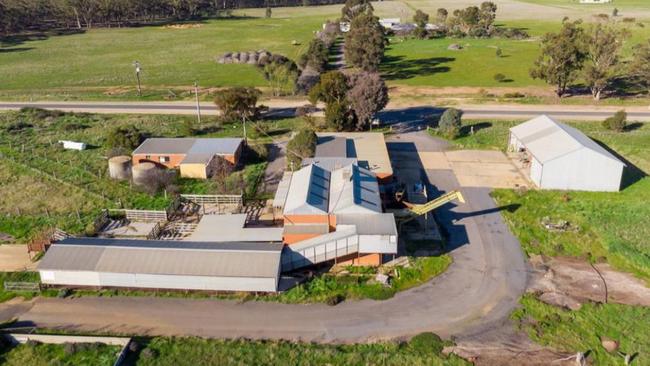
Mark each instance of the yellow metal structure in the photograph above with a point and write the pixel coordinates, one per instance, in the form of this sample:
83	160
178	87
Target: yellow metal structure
414	210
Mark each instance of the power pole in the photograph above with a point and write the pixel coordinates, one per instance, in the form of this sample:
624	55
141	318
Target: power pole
137	76
198	105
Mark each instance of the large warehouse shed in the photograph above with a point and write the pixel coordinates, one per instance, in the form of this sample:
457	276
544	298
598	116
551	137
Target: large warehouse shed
162	264
562	157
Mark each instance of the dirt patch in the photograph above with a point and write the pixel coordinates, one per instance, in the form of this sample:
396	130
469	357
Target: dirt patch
183	26
570	282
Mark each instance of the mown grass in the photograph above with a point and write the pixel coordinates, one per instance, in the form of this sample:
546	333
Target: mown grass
194	351
580	331
44	185
611	226
36	354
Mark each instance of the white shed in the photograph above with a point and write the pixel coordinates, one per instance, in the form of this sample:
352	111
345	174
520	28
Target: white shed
96	262
562	157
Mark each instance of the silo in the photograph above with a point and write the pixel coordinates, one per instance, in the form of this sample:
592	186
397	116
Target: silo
119	167
143	172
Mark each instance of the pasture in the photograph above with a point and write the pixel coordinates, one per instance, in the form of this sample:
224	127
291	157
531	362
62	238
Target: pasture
98	63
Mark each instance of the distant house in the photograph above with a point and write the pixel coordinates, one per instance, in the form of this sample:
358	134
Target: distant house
389	23
558	156
195	157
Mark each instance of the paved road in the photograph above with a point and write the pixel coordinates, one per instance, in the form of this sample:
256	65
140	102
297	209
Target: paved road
393	114
477	293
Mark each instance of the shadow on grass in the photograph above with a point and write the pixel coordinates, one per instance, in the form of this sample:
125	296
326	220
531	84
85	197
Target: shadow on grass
21	38
397	68
631	173
474	128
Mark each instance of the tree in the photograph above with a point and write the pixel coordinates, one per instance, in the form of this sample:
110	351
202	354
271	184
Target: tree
124	137
640	66
332	87
441	16
617	122
282	76
562	57
421	19
238	103
368	95
268	12
450	122
487	15
316	56
354	8
603	51
365	43
301	146
499	77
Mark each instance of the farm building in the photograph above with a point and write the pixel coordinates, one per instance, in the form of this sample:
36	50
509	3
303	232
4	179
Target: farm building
561	157
368	148
195	157
334	215
157	264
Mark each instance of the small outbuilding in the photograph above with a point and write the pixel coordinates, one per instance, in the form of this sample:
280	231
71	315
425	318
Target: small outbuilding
559	156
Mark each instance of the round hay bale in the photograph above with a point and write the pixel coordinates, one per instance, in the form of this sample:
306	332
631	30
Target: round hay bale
243	57
227	60
227	54
263	58
221	60
253	58
119	167
235	57
144	172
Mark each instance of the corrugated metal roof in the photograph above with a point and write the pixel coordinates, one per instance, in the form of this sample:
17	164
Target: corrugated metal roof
230	228
354	190
308	192
174	244
546	139
369	148
283	190
370	224
329	163
200	148
118	256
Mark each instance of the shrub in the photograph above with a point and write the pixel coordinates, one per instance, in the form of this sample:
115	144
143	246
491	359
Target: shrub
335	299
499	52
63	293
450	122
134	346
617	122
302	145
256	153
426	343
149	354
125	137
499	77
238	103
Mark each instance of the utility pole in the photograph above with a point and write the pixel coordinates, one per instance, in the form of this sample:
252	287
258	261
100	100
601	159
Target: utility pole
136	64
198	105
244	124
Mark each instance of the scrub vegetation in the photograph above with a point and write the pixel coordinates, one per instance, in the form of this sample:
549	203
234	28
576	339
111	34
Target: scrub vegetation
66	189
422	350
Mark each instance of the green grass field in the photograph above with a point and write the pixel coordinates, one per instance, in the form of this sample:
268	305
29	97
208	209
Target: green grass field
194	351
56	183
612	226
580	331
59	354
97	64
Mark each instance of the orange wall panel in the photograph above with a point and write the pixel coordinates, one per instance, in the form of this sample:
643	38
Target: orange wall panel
174	159
373	259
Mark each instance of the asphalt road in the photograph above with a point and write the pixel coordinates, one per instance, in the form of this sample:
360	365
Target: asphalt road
392	115
476	293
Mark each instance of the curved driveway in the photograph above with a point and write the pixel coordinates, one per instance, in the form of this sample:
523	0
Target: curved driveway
477	293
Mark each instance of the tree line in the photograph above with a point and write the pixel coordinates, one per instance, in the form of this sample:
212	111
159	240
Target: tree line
592	54
19	15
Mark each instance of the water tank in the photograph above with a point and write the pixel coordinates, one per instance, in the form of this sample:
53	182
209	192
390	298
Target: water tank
119	167
143	172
